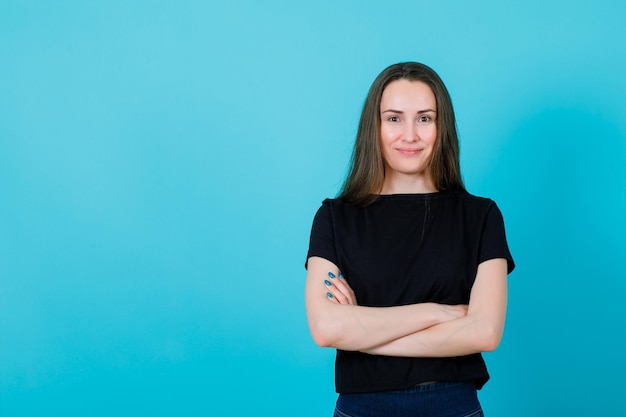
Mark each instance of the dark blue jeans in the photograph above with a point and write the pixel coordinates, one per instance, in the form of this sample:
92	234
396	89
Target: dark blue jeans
441	399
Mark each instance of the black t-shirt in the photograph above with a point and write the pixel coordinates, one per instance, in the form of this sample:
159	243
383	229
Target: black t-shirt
406	249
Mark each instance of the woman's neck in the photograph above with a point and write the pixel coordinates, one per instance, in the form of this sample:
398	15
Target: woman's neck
405	184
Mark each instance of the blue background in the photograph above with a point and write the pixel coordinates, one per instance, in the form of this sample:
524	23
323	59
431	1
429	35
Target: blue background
161	163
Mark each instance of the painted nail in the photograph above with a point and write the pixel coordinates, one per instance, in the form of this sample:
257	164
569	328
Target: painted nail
329	295
330	274
341	276
327	282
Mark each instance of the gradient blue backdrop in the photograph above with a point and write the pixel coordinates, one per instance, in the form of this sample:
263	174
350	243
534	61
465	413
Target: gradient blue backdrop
161	163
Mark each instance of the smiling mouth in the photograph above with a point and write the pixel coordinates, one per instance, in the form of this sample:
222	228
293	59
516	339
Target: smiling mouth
409	151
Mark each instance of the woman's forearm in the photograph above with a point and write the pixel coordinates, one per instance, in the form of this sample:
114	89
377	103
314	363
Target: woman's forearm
352	327
459	337
480	331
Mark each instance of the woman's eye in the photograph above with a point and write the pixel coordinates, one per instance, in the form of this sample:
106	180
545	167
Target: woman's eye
424	119
393	119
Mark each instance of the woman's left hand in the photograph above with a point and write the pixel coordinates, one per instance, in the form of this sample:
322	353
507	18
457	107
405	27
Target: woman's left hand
338	289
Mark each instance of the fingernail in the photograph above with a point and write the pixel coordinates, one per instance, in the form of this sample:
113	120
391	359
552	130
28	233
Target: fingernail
329	295
341	276
327	282
330	274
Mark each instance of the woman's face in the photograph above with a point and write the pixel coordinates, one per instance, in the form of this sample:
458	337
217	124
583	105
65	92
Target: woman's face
408	129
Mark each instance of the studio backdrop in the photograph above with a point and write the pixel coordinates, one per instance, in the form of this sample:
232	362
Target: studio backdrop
161	163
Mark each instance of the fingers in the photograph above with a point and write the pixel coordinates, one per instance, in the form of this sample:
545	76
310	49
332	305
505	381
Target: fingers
338	290
331	297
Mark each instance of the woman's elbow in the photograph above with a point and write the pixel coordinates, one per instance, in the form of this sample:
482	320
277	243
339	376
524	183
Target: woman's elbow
325	333
490	338
320	338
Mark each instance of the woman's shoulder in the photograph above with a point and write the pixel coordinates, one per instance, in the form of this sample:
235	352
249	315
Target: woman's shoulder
471	203
330	202
480	207
469	198
336	206
340	207
336	202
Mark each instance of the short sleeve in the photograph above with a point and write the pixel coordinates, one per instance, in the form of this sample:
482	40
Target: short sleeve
493	242
322	241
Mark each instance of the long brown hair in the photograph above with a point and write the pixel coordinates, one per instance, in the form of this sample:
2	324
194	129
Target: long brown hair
367	169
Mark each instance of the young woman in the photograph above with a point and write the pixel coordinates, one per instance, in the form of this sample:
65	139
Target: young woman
407	271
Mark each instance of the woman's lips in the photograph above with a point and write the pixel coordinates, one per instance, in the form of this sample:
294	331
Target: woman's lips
409	152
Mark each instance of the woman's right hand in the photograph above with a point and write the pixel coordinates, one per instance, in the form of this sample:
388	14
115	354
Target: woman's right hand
338	290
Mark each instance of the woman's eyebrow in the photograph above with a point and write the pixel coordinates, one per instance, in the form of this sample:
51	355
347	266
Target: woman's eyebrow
400	111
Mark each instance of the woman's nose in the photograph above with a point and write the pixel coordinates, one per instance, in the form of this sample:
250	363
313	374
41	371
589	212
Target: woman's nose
410	133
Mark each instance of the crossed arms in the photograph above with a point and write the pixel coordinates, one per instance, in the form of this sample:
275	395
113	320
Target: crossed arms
416	330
